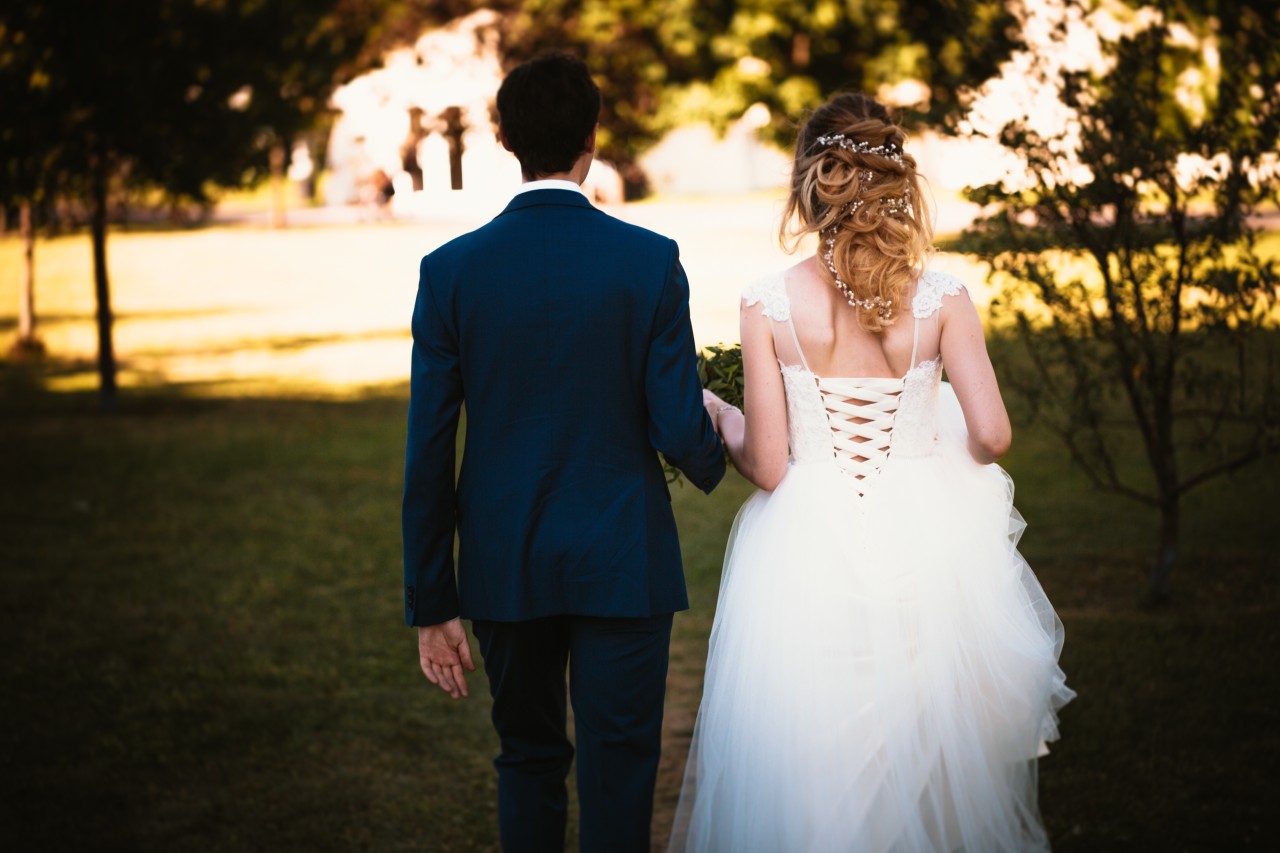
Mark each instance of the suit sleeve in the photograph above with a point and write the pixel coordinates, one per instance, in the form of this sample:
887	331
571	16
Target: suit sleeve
429	514
678	423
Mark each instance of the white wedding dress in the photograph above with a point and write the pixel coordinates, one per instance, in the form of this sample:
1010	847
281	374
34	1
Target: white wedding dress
883	669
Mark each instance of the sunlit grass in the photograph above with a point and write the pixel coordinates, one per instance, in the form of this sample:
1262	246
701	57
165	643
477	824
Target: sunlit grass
301	307
326	309
318	307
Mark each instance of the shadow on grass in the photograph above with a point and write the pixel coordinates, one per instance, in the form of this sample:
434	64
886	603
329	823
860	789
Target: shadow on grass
147	377
9	323
203	649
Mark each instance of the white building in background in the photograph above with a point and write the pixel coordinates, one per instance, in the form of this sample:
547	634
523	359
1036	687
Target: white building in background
423	121
426	124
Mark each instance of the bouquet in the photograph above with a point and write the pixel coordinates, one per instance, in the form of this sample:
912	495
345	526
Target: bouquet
720	367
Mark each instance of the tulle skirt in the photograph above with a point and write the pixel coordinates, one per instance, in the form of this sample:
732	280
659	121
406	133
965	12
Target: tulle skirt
883	669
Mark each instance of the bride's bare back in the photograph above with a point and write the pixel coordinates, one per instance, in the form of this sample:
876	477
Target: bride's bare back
835	344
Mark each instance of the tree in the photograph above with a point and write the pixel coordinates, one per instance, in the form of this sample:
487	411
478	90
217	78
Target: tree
790	56
662	63
1132	268
288	56
26	139
665	63
28	342
174	94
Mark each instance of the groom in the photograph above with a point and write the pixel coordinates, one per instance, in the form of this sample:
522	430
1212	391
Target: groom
567	333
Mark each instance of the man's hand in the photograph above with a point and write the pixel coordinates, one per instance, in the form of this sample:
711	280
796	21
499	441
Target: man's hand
711	402
442	653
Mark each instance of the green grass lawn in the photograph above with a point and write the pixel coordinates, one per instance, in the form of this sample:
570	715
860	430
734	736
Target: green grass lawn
203	647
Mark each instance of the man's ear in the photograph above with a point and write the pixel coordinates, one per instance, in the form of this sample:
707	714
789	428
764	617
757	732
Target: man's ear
502	137
591	139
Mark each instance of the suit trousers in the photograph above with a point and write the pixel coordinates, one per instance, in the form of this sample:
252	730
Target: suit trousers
617	672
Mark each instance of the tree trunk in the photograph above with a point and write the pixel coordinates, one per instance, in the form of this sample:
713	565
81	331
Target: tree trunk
1160	588
453	130
277	158
28	343
102	289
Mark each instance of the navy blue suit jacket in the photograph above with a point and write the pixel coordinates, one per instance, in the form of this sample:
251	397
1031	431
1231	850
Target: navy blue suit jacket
567	333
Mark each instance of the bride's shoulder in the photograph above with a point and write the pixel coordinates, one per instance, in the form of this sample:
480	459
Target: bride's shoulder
930	290
771	292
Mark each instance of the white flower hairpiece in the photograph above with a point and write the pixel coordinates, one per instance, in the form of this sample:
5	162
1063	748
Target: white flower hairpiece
839	140
890	205
899	205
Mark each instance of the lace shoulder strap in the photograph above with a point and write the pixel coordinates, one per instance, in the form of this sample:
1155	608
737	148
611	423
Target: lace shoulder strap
932	287
772	291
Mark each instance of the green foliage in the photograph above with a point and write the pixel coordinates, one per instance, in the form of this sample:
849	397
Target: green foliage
1135	278
662	64
720	367
173	94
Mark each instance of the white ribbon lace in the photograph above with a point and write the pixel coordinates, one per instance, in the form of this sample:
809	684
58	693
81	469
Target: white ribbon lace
861	416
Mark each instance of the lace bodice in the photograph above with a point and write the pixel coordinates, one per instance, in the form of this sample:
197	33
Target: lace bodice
857	424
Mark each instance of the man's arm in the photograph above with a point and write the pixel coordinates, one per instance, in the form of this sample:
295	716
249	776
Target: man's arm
678	423
428	515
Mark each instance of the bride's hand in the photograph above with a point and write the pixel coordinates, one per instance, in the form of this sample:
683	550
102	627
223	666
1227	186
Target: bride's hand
716	407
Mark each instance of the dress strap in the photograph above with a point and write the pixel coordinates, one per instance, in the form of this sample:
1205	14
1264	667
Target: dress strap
930	288
796	340
915	341
772	291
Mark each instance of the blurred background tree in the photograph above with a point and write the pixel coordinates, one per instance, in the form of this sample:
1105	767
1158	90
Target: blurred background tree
665	63
174	97
1130	260
671	62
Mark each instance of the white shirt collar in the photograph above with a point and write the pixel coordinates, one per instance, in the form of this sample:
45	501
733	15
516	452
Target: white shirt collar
554	184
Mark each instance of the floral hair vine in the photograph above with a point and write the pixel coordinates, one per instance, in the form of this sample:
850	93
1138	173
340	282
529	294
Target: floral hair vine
881	306
899	205
893	205
839	140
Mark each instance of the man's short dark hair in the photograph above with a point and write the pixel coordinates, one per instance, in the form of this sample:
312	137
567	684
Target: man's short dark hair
547	108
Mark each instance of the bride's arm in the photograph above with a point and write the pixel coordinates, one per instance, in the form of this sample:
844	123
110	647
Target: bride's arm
964	352
757	443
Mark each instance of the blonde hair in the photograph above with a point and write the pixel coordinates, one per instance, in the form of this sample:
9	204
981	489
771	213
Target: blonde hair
853	185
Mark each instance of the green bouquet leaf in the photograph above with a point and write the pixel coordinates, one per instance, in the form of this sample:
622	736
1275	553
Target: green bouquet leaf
720	367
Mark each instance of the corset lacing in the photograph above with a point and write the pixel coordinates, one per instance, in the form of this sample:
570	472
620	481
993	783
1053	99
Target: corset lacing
861	414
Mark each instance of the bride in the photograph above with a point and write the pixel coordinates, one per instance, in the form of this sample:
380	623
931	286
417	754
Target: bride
883	668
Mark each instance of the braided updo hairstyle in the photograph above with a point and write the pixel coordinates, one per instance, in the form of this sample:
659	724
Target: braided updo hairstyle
854	186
